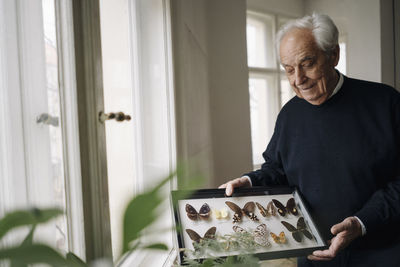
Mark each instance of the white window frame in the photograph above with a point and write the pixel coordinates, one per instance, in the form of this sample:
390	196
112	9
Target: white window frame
276	71
21	71
69	113
140	257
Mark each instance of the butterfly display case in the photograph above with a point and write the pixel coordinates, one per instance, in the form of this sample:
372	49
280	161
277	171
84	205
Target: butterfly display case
269	222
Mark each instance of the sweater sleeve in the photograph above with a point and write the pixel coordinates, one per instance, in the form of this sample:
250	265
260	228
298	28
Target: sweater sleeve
383	208
271	171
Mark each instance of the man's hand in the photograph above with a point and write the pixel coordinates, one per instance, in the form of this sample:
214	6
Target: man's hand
344	232
238	182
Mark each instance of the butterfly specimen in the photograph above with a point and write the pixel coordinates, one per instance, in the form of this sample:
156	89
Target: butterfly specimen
298	232
247	210
268	211
221	213
290	207
238	229
260	234
279	239
204	212
210	234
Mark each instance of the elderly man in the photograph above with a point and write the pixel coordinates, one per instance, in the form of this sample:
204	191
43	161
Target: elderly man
338	141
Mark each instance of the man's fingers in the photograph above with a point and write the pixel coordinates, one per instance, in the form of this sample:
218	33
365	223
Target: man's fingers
229	189
340	227
332	251
327	254
222	186
238	182
315	258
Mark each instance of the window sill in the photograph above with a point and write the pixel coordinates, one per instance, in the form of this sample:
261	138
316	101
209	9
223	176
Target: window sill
149	258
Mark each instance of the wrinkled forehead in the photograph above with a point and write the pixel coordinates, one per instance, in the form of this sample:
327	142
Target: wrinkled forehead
297	45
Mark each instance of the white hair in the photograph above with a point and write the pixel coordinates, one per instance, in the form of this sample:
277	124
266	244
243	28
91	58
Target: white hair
322	27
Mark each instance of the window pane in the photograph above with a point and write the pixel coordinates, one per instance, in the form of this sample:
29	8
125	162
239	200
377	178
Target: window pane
342	58
263	111
260	31
281	21
117	78
56	141
287	92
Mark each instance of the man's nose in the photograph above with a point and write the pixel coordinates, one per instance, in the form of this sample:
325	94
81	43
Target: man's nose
300	76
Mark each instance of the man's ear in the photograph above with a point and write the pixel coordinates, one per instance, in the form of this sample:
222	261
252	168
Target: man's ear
335	55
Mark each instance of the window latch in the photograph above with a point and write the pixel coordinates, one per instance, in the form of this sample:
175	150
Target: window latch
47	119
118	116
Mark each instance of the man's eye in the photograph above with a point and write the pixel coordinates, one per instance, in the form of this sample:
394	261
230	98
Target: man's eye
289	71
308	64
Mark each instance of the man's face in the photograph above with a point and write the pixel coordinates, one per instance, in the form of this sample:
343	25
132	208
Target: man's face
310	72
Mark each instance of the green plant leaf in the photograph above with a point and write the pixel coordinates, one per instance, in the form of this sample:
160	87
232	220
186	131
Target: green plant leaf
208	263
141	212
29	238
37	253
188	176
27	241
74	260
26	217
159	246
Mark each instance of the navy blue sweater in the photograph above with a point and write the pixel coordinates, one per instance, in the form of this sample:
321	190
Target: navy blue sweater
344	156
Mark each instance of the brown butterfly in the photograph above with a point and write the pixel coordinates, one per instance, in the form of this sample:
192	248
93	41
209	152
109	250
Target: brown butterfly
268	211
260	234
298	232
204	212
247	210
279	239
290	207
210	234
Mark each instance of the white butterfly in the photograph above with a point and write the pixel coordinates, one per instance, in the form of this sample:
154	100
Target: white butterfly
260	234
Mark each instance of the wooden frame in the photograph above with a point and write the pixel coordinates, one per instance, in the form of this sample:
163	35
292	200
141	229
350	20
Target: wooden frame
215	198
91	132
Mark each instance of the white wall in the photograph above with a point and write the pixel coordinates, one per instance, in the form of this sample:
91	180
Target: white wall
290	8
192	101
211	78
229	90
359	21
387	42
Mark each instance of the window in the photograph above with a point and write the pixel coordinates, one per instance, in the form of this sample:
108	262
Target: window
136	81
342	65
268	87
39	155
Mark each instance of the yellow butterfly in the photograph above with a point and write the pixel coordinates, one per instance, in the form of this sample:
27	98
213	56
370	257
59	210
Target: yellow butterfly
281	239
221	213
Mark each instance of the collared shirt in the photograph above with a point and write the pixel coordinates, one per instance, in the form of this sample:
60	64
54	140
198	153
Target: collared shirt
338	85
